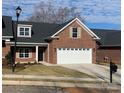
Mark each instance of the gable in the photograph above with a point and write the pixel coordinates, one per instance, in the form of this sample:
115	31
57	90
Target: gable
82	25
67	33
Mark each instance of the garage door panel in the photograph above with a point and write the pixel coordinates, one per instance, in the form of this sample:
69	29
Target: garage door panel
74	55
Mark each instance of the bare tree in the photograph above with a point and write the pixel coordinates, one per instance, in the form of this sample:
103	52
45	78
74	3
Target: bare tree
48	13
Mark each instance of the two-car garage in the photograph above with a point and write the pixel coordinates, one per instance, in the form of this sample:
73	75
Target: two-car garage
74	55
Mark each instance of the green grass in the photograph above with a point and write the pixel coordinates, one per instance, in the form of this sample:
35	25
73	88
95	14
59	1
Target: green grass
39	69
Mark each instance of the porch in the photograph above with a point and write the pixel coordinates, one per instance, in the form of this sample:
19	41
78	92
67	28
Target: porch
30	54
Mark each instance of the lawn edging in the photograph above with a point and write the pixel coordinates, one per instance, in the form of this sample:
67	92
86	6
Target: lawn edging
56	78
62	84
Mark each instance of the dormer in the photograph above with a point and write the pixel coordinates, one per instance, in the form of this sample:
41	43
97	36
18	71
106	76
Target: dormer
24	30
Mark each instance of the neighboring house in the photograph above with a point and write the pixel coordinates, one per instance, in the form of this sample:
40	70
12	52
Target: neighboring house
7	34
109	45
69	43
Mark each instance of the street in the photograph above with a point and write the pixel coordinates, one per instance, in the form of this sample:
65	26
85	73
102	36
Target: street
41	89
31	89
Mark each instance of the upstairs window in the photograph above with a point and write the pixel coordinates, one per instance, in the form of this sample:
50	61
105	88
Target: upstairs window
74	33
24	31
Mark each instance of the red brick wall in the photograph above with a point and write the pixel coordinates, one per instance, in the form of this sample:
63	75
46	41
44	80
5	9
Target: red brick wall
65	41
46	55
113	53
32	50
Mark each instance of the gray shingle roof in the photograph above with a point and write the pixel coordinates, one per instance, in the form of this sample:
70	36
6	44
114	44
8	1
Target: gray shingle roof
108	37
7	26
42	31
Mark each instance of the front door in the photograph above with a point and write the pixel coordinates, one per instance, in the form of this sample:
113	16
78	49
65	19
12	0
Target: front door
40	54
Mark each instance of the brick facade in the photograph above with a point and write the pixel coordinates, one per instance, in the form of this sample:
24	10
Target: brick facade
113	53
32	54
64	41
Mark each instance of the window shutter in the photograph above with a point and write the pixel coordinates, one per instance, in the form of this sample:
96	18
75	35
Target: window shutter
30	53
79	32
17	54
70	32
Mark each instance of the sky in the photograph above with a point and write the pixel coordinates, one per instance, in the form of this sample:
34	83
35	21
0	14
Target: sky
100	14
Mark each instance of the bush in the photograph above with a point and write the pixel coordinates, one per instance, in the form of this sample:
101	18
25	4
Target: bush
9	58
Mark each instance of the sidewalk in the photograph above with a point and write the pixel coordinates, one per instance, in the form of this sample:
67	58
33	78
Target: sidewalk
39	81
12	76
61	84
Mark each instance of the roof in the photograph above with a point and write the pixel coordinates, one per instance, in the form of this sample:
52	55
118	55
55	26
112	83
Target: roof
108	37
42	31
7	26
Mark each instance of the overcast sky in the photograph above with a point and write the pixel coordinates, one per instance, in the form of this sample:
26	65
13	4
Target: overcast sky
104	14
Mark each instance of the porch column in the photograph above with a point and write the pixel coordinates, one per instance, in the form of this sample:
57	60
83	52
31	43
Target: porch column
36	54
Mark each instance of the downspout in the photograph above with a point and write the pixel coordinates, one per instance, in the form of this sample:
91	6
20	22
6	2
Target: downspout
48	54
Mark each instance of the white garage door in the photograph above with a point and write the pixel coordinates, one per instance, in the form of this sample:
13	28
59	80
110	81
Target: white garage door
74	55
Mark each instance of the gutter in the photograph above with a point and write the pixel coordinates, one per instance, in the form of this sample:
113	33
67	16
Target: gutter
28	43
110	45
6	37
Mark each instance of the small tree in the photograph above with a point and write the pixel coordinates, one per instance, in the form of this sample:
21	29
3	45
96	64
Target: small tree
9	58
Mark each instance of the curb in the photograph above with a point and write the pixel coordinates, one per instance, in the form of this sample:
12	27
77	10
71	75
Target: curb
9	76
60	84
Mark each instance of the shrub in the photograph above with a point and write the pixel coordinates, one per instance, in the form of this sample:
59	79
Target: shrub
9	58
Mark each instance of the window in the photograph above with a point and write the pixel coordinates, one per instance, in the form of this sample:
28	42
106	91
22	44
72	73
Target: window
68	49
3	43
63	48
72	48
74	33
24	53
24	30
80	49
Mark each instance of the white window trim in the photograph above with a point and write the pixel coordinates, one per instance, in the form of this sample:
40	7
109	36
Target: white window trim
24	53
24	26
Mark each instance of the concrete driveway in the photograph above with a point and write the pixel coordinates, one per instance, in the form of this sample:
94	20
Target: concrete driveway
95	70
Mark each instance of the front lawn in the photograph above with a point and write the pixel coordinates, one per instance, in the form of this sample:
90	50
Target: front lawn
39	69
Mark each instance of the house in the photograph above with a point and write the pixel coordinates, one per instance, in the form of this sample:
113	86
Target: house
68	43
109	45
